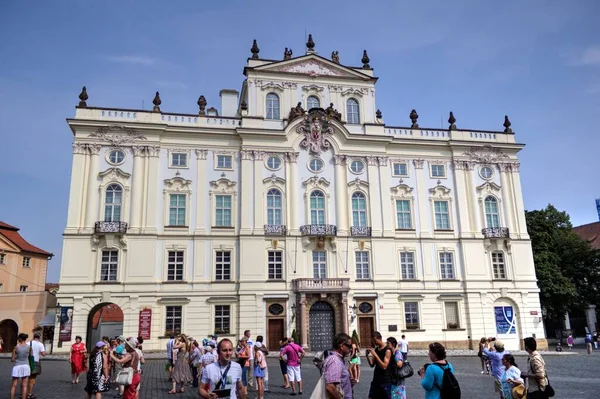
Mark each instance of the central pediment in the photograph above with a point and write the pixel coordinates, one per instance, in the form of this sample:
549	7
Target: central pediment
313	65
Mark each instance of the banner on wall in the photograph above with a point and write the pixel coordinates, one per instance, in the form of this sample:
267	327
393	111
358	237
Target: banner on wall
66	324
145	323
505	320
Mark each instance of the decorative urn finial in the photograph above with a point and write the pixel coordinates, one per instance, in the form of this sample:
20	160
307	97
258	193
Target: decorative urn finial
202	105
156	103
378	114
413	118
507	124
287	54
452	121
83	97
310	44
254	50
365	60
335	57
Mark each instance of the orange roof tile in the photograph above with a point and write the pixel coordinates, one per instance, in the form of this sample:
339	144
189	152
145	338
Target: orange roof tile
12	234
589	232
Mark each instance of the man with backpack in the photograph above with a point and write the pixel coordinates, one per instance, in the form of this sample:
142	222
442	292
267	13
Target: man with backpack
437	378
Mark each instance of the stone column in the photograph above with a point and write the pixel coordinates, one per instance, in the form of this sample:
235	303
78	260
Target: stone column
509	213
374	192
422	199
152	195
246	191
341	209
303	322
201	191
137	189
345	312
521	225
474	215
259	213
74	217
462	202
91	214
386	206
295	199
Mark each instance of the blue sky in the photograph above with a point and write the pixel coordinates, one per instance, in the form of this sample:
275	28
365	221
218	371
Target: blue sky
537	61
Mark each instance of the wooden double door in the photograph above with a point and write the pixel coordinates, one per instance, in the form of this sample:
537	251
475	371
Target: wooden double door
366	327
275	333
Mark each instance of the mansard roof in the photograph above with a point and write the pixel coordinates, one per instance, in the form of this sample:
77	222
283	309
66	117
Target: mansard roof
11	233
311	65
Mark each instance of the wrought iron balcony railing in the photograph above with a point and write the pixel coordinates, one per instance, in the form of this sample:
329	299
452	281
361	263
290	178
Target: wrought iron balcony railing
318	230
360	231
275	229
111	227
322	285
496	232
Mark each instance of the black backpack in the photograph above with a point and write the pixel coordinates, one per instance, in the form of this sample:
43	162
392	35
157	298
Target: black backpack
450	388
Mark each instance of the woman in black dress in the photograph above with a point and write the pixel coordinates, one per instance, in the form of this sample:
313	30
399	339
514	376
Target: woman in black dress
97	376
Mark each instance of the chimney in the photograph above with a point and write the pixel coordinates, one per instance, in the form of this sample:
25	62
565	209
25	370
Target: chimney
598	207
229	102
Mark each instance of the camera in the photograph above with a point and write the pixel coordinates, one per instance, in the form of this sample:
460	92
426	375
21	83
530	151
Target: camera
424	369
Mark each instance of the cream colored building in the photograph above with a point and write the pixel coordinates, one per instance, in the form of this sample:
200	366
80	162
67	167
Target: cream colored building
272	218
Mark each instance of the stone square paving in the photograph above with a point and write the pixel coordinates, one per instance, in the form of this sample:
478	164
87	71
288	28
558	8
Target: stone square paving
574	377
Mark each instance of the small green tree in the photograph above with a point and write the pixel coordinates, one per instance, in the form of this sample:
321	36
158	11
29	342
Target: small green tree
355	337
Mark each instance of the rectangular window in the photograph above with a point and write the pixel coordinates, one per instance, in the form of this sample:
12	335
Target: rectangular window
275	265
438	171
452	321
1	287
173	320
498	265
223	266
319	264
411	315
109	264
223	210
23	288
403	214
222	319
179	159
177	210
2	259
175	266
26	261
407	265
447	265
362	265
224	162
399	169
442	217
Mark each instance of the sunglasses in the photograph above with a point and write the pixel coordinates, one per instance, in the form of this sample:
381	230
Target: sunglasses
349	346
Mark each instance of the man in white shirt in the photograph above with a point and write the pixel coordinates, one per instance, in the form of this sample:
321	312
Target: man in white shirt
404	347
222	376
250	344
170	344
37	350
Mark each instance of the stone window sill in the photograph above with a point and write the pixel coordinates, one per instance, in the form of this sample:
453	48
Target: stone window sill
410	330
175	282
454	329
108	282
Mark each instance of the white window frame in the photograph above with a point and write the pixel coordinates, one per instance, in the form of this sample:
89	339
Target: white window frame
275	265
309	165
110	151
273	157
219	312
354	162
274	212
437	165
115	176
2	259
361	263
109	265
178	262
177	222
417	312
223	186
181	186
27	261
497	264
23	288
457	315
482	167
405	264
113	205
275	110
356	213
353	118
319	211
308	107
221	162
222	264
410	214
445	273
321	263
447	213
491	215
394	169
223	212
174	318
1	287
177	154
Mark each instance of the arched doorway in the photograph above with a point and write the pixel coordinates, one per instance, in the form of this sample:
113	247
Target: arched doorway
321	323
506	318
9	331
105	319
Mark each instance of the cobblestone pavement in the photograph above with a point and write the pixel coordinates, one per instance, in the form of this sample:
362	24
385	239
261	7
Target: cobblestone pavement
573	377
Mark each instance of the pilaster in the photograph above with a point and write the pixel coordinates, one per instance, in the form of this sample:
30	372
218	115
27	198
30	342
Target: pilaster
258	193
91	214
201	188
295	198
422	199
151	210
137	189
374	192
462	201
474	218
386	205
507	200
303	321
341	211
74	216
247	187
521	225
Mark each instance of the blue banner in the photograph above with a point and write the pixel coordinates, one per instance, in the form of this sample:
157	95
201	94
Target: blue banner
505	320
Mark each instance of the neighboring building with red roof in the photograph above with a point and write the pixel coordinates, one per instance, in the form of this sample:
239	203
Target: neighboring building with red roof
589	232
23	295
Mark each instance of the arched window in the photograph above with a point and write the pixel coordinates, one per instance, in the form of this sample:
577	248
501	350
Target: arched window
317	207
274	207
272	106
113	202
492	218
352	111
313	102
359	210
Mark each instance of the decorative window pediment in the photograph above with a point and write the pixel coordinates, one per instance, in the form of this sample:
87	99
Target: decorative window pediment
315	182
274	180
223	185
114	175
313	88
272	86
354	91
440	191
402	190
358	183
178	183
488	188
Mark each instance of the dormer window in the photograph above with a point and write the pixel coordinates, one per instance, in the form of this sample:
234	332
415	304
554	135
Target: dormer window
312	102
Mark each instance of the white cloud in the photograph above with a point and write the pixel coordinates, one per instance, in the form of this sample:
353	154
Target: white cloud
132	59
588	57
172	84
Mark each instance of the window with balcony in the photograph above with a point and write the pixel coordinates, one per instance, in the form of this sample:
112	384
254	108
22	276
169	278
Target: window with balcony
275	266
362	265
173	318
352	111
447	265
26	261
175	265
317	207
223	211
498	265
112	203
223	266
359	209
319	259
442	215
274	205
403	216
411	315
177	205
312	102
222	319
492	217
452	319
272	105
109	265
407	265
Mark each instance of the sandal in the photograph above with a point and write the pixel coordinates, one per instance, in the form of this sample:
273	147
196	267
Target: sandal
171	392
182	390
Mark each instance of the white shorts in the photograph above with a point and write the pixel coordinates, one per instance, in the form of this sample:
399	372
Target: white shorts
293	373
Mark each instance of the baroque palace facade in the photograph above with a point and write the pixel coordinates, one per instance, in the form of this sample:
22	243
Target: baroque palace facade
297	207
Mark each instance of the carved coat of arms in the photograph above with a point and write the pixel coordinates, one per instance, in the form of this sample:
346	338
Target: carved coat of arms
316	130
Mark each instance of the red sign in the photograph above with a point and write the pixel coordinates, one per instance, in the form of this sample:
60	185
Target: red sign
145	323
533	313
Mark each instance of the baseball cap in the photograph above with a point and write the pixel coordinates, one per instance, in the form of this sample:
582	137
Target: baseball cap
499	344
100	344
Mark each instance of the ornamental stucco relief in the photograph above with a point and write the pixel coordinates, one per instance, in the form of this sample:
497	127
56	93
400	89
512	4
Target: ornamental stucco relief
486	154
317	132
312	68
121	136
